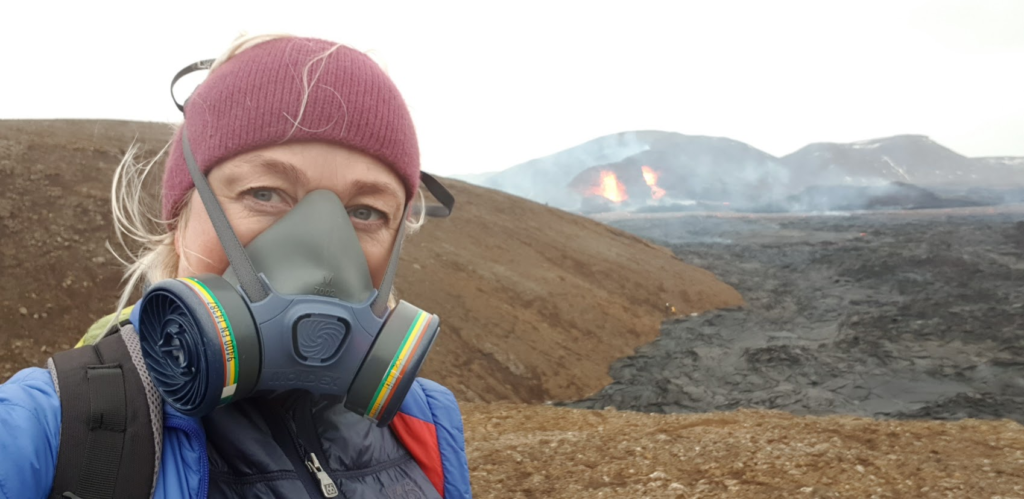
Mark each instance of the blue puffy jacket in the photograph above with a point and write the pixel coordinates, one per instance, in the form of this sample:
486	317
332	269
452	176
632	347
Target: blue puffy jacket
230	454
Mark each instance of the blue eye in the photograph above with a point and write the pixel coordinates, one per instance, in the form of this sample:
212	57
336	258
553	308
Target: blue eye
264	195
365	214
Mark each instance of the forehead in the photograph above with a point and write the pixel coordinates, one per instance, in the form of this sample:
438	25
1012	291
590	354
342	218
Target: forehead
313	165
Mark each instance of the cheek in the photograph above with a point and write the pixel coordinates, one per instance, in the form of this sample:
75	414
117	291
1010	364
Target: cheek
199	249
378	252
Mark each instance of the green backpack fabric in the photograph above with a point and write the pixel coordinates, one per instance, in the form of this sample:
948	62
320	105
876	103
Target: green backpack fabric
96	331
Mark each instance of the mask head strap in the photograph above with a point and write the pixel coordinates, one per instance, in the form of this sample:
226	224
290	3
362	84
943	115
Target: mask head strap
251	284
440	193
191	68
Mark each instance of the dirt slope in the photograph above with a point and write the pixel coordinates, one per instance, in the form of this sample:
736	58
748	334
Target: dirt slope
56	276
520	451
536	303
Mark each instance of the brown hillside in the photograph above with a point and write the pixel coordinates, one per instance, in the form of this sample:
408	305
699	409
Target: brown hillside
535	303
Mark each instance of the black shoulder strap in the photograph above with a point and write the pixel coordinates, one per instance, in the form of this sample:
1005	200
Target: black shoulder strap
107	445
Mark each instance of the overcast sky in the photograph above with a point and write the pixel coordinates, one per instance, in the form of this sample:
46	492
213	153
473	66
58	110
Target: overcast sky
491	85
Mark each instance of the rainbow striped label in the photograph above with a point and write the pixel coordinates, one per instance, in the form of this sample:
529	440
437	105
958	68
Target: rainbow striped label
227	336
396	371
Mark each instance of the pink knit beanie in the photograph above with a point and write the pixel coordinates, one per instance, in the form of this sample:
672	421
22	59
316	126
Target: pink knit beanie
255	98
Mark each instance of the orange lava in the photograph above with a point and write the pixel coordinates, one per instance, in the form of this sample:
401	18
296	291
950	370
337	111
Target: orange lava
651	177
611	188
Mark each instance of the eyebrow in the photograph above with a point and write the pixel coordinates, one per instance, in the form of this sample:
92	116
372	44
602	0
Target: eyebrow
278	167
369	188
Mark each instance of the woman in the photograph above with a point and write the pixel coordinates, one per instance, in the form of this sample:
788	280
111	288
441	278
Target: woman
277	118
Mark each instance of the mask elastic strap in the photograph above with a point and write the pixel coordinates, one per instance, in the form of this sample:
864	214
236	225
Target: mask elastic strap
441	193
191	68
380	304
447	200
250	282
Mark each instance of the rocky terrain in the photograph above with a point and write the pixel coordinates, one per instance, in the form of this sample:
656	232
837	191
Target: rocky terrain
891	196
891	315
524	452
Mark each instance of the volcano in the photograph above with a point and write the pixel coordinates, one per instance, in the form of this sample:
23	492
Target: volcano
545	179
608	173
691	168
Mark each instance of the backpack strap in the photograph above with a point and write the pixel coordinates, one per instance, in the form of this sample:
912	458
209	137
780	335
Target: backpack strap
111	421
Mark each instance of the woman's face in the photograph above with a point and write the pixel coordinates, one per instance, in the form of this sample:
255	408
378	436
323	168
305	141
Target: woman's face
258	188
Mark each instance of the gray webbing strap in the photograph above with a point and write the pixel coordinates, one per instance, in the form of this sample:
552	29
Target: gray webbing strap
250	282
380	303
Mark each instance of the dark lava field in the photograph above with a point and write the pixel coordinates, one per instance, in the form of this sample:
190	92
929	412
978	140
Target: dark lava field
904	314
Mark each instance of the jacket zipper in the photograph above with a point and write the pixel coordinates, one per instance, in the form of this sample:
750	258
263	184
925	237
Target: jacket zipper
317	479
326	484
304	417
